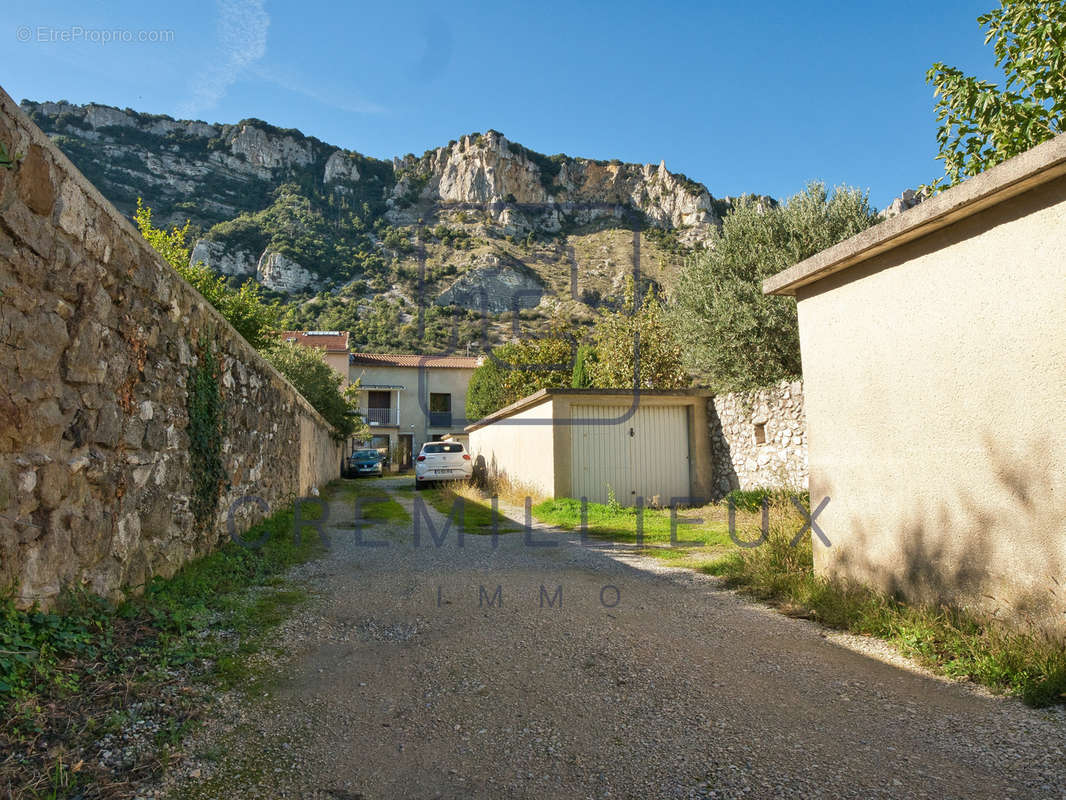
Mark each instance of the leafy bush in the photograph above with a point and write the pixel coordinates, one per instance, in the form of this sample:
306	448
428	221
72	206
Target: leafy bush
519	369
981	124
644	331
752	499
319	383
244	308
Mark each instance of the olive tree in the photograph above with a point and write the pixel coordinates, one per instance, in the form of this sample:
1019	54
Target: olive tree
734	336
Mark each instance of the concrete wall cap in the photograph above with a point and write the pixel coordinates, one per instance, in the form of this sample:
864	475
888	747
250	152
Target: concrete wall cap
1034	167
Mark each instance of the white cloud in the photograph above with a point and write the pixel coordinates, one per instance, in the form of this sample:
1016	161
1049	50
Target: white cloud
291	81
241	29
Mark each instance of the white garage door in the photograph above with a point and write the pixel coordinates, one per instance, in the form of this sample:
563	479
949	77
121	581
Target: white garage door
645	455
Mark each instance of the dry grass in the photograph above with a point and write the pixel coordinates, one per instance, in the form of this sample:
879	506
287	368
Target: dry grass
952	641
509	491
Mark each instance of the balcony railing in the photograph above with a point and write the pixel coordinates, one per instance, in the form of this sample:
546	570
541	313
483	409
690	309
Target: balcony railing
440	419
381	416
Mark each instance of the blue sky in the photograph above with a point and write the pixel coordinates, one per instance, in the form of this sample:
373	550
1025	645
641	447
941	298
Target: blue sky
744	97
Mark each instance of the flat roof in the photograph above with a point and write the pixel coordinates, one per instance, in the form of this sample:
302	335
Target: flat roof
542	395
1041	164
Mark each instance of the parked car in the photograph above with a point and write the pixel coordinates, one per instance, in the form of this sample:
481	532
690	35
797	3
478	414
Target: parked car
363	462
442	461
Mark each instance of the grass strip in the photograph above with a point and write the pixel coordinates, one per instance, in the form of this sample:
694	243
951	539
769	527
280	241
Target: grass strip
688	540
70	676
1028	663
478	516
375	503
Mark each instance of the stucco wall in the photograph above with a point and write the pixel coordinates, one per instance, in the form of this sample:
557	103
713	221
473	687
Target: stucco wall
520	449
537	456
742	462
97	339
935	390
338	362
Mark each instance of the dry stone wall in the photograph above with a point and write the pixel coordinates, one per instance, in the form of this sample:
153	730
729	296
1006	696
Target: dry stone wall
759	439
98	340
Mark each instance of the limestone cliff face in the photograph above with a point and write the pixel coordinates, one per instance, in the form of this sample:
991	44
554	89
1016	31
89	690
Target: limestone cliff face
217	171
225	261
188	169
300	216
527	191
282	274
494	284
341	166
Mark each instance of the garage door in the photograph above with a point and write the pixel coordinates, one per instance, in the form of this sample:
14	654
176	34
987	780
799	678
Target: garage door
644	456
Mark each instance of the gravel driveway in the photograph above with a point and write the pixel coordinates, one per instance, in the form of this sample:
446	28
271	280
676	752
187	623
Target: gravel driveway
405	678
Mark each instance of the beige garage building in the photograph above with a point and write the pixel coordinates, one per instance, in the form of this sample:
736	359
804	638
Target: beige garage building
591	442
934	362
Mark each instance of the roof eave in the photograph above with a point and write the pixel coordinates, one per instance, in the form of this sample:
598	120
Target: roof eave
1041	164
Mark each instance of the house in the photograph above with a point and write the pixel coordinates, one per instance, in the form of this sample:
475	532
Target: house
333	343
934	362
411	399
647	446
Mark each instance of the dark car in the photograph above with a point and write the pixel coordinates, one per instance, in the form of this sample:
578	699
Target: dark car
363	462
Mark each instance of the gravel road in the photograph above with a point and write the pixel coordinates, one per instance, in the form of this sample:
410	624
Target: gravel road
405	678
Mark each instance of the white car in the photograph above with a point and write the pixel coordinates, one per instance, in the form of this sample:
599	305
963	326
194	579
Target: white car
442	461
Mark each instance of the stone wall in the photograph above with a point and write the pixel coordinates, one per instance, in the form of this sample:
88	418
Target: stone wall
97	339
743	462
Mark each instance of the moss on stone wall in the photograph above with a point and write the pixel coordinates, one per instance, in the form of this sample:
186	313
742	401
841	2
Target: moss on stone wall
207	427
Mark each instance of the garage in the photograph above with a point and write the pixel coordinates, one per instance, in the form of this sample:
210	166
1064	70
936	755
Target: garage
651	447
636	453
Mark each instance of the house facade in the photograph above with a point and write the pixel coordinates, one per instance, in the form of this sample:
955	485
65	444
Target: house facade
934	363
408	400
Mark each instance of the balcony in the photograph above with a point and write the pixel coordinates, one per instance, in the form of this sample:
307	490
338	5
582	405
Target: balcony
440	419
381	416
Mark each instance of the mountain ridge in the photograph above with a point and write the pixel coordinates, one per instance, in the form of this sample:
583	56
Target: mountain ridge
337	235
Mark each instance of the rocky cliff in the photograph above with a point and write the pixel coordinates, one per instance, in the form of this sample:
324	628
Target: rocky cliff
343	238
526	191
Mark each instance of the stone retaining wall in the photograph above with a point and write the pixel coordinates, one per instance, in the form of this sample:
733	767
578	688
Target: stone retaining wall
97	339
743	462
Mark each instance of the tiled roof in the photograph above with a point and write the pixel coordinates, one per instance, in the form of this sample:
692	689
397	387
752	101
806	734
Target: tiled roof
330	341
402	360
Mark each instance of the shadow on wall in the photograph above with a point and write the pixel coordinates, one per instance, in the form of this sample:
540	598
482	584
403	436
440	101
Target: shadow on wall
1004	553
725	477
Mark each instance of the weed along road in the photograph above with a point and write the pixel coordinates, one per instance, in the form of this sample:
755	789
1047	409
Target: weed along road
538	666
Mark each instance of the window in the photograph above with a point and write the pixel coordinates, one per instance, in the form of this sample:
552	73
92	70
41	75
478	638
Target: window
440	409
442	447
760	433
378	399
379	409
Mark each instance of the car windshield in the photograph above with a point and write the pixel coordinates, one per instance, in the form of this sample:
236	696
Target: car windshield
443	447
366	453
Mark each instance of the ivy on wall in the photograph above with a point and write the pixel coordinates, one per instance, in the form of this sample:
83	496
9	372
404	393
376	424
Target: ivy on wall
206	430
